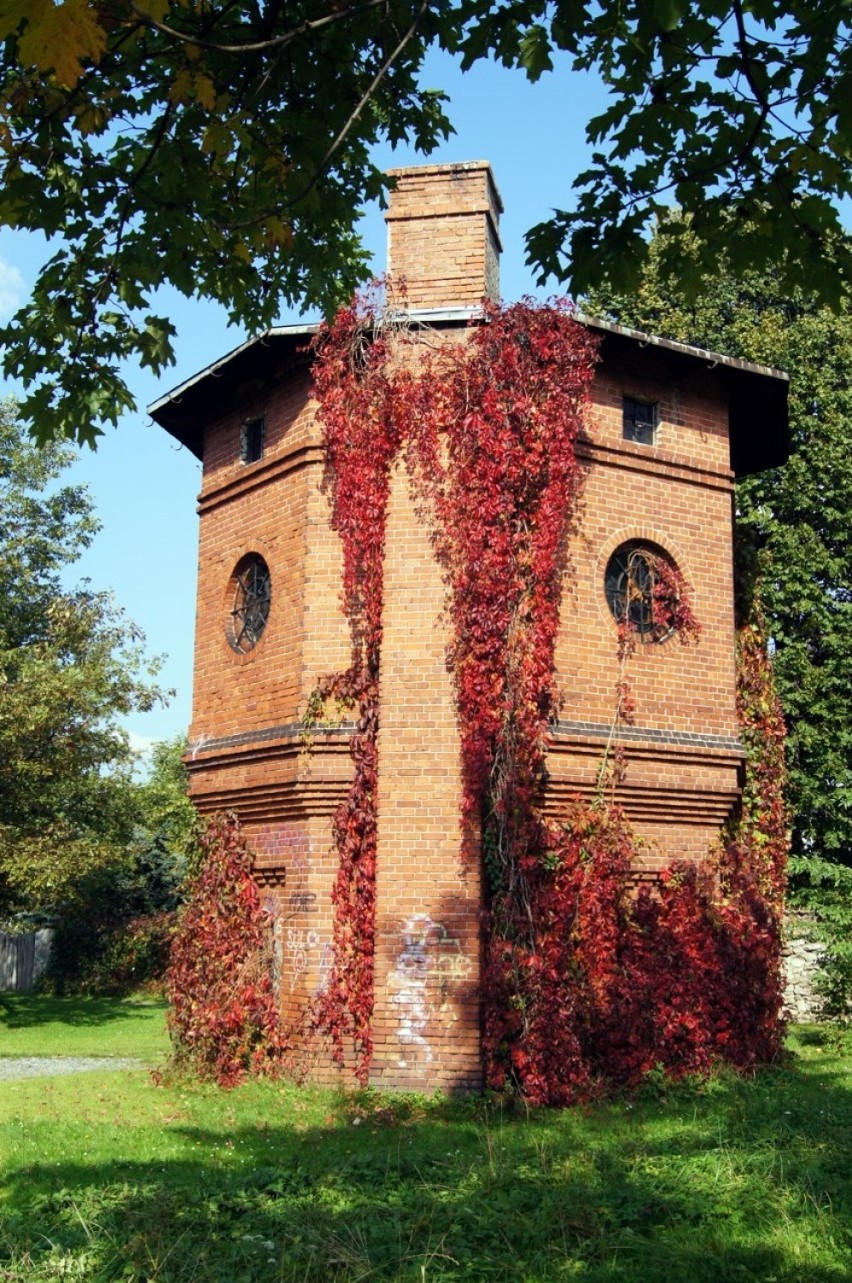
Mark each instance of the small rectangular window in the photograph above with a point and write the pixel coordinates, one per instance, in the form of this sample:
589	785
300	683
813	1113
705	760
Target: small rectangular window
251	440
640	421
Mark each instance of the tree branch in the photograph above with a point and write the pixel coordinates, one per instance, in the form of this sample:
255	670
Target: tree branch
365	98
745	55
257	46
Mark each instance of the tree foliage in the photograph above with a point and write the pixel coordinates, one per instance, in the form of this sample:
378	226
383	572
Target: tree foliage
224	147
221	147
738	111
167	836
115	928
70	666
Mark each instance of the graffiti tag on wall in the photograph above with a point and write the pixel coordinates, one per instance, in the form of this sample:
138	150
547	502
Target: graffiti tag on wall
428	963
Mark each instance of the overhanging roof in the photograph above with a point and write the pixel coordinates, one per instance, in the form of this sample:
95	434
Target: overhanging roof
185	410
757	394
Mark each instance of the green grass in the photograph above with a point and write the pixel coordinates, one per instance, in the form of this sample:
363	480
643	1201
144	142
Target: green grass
110	1177
39	1025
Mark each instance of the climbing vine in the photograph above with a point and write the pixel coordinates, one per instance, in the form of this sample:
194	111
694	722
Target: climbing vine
764	821
590	983
361	386
493	452
585	980
223	1012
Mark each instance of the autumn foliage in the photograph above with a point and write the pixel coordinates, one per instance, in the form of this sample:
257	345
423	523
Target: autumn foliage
223	1015
493	456
587	982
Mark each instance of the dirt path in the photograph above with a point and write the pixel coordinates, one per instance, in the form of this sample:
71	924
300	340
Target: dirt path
50	1066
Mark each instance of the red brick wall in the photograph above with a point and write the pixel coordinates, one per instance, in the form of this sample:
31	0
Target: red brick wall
426	1024
676	494
682	758
245	747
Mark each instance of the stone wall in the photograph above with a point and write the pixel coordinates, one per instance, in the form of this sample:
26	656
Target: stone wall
801	959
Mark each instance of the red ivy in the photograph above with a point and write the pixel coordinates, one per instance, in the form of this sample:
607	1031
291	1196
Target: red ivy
494	453
585	983
223	1015
364	408
764	824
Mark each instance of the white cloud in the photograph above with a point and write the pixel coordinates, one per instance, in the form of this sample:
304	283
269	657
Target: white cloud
13	290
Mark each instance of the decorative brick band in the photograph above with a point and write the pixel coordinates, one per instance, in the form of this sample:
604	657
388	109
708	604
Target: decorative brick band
647	734
293	731
266	474
657	464
596	730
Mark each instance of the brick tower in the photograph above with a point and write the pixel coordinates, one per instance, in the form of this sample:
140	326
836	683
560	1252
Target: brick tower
670	427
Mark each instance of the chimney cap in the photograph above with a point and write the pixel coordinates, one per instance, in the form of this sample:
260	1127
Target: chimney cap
451	168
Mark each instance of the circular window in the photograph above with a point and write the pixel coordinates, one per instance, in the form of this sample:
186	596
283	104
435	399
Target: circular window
252	596
632	586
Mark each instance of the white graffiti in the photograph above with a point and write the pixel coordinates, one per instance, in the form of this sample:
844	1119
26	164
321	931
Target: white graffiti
429	962
298	945
324	971
409	978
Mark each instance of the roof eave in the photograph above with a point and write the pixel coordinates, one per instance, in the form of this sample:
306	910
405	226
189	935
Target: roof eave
182	411
757	394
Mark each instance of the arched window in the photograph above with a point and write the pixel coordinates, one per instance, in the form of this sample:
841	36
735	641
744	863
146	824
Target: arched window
632	583
252	595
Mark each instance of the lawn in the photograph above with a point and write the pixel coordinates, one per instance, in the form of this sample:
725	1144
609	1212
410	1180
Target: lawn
112	1177
40	1025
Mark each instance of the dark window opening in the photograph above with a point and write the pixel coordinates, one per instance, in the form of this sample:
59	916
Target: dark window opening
252	597
640	421
629	584
251	440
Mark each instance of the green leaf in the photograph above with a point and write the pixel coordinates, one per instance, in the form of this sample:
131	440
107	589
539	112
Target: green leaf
668	13
534	55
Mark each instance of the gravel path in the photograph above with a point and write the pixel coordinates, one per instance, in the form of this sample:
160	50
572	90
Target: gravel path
50	1066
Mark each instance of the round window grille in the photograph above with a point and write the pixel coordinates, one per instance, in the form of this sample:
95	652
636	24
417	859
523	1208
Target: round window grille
630	582
252	596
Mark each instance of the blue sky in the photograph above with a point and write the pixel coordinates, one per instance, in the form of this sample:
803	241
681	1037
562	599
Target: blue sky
145	487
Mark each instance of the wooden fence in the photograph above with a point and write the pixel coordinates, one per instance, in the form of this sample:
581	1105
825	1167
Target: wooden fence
23	959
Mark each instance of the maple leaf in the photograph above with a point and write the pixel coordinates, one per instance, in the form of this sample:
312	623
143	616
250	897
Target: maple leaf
181	89
59	38
204	91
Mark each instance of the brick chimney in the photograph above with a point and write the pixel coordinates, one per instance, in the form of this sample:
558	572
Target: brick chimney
443	234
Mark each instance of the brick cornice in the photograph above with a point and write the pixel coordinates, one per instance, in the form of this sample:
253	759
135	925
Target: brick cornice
646	804
292	732
648	735
261	475
673	468
293	800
